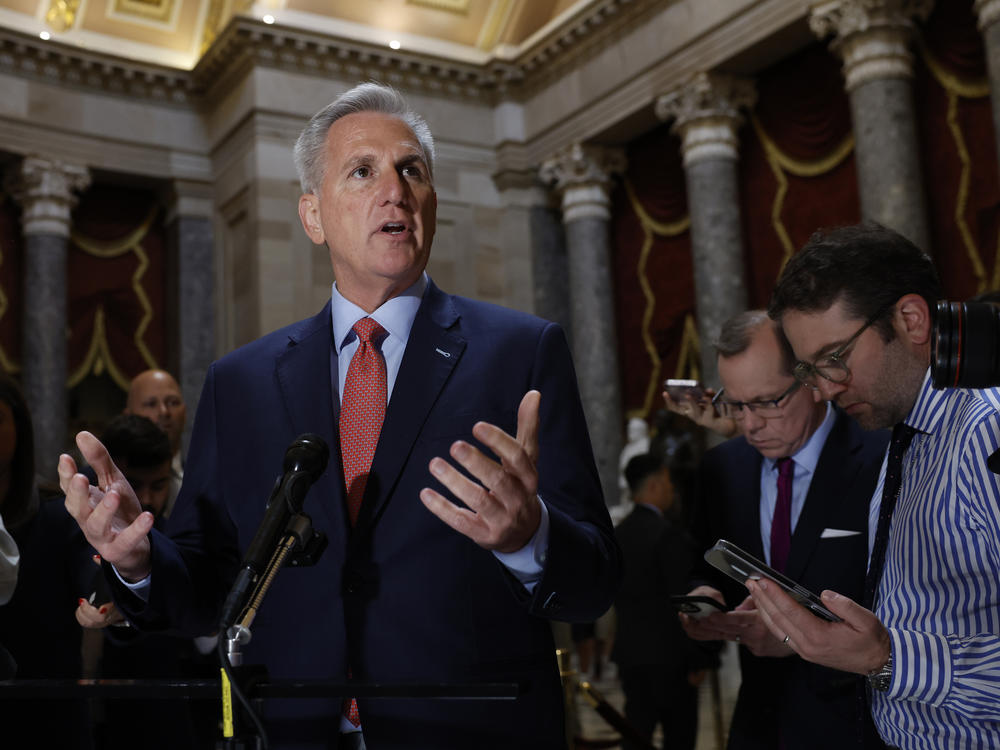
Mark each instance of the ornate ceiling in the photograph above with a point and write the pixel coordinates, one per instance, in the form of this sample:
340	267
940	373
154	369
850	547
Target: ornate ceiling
176	33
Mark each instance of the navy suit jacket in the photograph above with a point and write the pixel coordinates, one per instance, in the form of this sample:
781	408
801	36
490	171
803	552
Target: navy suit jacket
812	706
401	597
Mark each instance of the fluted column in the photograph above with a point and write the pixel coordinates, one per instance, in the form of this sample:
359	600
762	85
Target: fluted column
582	177
988	12
46	191
706	115
191	289
873	38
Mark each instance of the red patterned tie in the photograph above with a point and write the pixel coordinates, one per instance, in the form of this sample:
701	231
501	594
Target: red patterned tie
781	521
361	413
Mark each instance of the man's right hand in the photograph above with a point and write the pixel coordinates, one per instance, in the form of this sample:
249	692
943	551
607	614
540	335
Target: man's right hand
109	514
706	628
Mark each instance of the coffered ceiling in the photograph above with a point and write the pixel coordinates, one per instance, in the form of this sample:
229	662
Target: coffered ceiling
176	33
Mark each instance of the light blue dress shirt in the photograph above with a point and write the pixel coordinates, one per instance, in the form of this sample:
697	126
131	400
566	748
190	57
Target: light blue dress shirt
804	461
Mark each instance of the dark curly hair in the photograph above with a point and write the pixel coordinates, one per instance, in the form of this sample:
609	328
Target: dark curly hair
866	265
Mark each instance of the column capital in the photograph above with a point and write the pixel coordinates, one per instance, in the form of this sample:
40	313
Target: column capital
46	191
871	36
707	114
582	174
988	12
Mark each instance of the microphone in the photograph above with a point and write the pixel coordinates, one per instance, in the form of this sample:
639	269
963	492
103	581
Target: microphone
305	461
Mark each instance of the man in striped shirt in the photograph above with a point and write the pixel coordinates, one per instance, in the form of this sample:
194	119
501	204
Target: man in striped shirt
857	305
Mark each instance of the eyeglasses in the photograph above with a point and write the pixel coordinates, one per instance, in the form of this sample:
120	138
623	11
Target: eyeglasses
767	408
833	366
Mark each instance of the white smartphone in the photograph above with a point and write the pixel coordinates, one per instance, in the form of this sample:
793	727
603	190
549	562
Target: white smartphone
741	565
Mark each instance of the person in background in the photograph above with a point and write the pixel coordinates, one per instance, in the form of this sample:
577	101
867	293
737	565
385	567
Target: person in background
659	666
857	304
143	453
154	394
792	491
55	572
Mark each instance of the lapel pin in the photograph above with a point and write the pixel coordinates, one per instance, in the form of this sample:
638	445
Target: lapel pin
442	353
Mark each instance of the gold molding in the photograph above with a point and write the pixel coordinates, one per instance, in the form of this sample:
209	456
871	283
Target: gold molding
461	7
150	10
651	226
61	14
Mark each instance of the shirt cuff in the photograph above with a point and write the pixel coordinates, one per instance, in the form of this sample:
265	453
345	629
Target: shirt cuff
921	666
139	588
527	563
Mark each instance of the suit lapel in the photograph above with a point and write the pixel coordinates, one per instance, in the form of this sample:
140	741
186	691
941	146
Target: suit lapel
834	471
432	352
747	510
302	372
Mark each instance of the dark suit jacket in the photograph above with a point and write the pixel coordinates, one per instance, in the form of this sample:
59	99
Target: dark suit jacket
659	558
814	706
401	597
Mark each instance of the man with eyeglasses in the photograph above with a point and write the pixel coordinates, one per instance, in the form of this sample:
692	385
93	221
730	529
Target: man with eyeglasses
792	490
857	305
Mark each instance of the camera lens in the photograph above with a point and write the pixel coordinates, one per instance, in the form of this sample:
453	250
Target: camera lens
965	345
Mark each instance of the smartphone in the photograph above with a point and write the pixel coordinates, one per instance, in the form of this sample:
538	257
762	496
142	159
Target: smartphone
741	565
681	389
696	606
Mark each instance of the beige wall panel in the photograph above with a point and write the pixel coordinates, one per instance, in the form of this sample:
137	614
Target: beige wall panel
181	33
27	7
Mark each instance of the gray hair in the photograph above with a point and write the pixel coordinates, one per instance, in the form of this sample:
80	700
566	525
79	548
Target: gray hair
737	333
310	159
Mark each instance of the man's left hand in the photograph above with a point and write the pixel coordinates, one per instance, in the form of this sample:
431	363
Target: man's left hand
503	510
859	643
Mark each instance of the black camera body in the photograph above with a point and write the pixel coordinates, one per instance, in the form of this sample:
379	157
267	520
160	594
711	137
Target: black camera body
965	345
965	350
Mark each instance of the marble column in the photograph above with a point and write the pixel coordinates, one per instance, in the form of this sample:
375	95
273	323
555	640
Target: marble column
46	191
988	12
191	290
531	218
873	38
706	115
582	178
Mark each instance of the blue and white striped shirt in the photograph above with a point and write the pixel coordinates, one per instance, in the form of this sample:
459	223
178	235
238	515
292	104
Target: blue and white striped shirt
940	591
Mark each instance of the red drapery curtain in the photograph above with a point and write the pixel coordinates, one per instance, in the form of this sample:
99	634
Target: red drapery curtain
797	170
117	284
654	296
958	148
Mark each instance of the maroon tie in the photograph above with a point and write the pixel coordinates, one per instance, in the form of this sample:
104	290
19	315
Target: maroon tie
362	411
781	523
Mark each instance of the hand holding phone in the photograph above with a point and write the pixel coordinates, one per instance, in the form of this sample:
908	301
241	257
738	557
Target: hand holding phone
683	389
740	565
696	606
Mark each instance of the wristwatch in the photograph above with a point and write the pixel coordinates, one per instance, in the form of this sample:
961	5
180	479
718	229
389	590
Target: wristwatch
881	678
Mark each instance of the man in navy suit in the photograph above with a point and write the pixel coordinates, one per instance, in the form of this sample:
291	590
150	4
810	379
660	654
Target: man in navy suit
784	701
482	517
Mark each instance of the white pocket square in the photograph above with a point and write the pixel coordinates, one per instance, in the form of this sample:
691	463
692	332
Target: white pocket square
836	533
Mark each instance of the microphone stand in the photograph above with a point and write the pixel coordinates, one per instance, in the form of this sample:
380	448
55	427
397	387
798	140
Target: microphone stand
299	537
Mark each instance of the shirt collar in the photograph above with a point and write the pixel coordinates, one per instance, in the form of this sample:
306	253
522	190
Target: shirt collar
395	315
929	408
808	455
